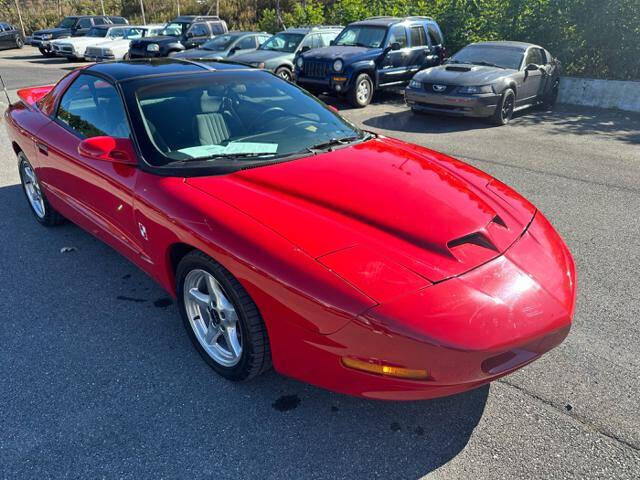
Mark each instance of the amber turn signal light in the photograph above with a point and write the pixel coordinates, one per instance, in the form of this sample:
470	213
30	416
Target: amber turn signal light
386	370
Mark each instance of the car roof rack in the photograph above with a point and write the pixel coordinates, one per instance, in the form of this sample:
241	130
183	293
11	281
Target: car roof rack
420	17
195	18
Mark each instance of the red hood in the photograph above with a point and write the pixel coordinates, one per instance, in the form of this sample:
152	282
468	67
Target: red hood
427	212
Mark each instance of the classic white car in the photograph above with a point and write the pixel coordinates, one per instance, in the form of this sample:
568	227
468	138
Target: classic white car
74	47
118	48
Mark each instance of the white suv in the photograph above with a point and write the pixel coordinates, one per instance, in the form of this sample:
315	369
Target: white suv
118	48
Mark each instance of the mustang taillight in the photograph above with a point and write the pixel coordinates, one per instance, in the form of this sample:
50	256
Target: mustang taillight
386	370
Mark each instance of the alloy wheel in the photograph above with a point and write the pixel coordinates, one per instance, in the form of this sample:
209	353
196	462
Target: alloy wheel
213	317
32	189
363	91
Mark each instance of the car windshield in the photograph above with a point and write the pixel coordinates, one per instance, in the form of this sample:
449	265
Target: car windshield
67	22
227	116
173	29
133	33
283	42
362	36
504	57
220	43
117	33
97	32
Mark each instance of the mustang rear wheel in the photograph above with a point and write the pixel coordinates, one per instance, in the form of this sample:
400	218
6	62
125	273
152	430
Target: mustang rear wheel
44	213
221	319
504	110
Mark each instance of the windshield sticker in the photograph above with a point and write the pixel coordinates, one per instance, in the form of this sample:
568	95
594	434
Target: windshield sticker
232	148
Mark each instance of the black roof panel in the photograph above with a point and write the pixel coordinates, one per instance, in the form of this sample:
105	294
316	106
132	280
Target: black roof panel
119	71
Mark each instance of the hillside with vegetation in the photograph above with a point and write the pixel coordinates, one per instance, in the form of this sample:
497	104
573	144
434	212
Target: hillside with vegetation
592	38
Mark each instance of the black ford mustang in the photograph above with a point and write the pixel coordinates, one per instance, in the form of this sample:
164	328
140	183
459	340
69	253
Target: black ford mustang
489	79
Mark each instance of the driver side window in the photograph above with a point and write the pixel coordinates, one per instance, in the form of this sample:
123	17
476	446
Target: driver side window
198	30
91	107
534	56
84	23
398	34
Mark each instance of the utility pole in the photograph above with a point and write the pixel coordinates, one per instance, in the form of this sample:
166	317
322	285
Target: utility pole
144	21
102	6
178	3
20	18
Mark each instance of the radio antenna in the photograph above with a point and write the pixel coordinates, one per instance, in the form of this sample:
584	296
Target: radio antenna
4	89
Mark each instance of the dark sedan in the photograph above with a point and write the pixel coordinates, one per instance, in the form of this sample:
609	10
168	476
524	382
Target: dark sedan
489	79
10	36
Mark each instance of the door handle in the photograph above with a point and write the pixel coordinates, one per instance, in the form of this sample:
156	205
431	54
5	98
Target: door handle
43	149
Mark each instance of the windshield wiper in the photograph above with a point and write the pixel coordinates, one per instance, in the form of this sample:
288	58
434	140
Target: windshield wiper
336	142
487	64
231	156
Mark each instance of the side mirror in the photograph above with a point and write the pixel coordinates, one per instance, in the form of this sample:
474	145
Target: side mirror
109	149
188	35
306	48
395	46
532	67
332	43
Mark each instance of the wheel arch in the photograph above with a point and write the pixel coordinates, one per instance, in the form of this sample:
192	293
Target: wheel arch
175	253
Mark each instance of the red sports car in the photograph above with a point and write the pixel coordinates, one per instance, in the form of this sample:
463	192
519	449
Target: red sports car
291	238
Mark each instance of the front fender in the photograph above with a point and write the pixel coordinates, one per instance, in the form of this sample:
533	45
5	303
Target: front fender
360	66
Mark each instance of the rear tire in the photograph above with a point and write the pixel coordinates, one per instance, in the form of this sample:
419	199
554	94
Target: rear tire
43	212
504	109
361	92
126	57
19	42
193	275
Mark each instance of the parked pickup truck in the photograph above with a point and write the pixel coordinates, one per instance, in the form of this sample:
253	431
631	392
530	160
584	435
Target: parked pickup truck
75	26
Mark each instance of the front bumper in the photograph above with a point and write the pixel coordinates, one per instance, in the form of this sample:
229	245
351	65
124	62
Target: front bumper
482	105
466	331
98	58
335	83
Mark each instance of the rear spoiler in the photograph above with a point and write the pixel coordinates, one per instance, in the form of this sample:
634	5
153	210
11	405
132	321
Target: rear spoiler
32	94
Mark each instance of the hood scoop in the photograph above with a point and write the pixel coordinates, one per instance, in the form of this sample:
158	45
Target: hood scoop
458	69
477	238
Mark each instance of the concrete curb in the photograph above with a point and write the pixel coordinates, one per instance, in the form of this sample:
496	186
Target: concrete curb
600	93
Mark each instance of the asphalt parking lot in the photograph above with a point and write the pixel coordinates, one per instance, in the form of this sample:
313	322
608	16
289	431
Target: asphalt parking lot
98	378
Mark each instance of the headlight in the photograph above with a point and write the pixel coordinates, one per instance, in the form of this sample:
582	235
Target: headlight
337	65
415	84
257	64
47	36
474	90
299	62
153	47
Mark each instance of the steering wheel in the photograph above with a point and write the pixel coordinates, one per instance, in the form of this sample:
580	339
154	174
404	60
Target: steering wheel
261	118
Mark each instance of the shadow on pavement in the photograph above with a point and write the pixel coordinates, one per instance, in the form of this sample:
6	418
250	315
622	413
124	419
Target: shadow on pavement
99	379
563	119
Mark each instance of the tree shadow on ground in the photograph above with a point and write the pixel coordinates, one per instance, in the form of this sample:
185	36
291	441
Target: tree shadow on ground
110	384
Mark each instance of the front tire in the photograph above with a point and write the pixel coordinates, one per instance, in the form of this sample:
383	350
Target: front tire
504	110
221	319
47	53
43	212
361	93
284	73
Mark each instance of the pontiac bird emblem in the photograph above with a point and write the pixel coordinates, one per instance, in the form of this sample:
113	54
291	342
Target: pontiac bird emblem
439	88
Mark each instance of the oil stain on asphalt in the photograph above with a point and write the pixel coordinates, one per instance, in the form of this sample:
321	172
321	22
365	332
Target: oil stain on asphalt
286	402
